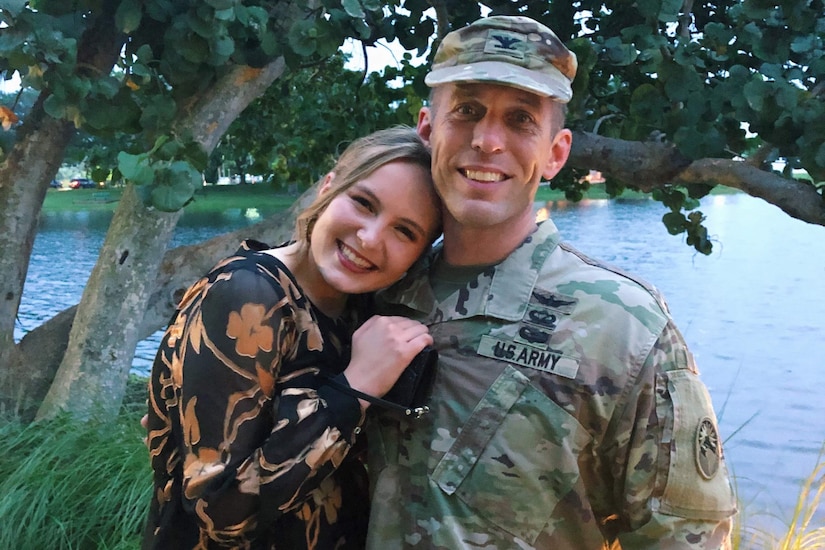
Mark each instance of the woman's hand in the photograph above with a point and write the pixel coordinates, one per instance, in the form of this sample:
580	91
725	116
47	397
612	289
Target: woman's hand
381	350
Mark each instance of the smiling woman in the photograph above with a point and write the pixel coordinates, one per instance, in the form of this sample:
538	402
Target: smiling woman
252	441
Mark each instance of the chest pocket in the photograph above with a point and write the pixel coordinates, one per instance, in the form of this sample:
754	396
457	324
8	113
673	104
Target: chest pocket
515	458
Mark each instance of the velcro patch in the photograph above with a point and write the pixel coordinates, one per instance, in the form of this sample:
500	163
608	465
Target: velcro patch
504	42
551	300
528	356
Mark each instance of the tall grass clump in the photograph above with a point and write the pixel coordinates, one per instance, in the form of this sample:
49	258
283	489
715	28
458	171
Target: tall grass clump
66	484
802	531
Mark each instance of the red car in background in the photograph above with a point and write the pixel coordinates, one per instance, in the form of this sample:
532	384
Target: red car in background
81	183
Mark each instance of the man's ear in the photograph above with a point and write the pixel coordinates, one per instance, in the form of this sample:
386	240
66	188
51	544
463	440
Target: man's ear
326	184
559	151
424	126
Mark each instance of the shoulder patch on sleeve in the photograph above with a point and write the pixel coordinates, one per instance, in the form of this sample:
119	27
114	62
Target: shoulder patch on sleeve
697	484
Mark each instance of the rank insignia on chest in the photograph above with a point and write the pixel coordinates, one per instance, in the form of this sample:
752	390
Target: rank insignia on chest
546	360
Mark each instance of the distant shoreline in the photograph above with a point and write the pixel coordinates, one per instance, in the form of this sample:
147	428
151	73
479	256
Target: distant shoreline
218	198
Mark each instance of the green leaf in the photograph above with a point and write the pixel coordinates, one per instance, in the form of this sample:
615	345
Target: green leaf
220	4
680	81
300	37
202	27
141	70
755	92
222	48
675	222
108	86
353	9
54	106
698	190
804	44
270	44
669	11
257	16
144	54
718	34
648	8
241	14
135	168
691	203
167	149
128	15
647	103
14	7
158	112
619	53
182	171
364	31
176	187
193	48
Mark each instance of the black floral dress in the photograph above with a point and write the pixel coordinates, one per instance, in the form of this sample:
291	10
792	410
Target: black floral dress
249	447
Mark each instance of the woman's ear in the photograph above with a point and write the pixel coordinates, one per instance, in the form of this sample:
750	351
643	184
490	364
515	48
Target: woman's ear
326	184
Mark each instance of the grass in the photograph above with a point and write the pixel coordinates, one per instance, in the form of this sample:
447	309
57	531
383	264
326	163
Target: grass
801	533
207	199
69	485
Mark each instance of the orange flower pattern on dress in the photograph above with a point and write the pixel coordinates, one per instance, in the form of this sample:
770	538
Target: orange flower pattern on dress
248	445
250	330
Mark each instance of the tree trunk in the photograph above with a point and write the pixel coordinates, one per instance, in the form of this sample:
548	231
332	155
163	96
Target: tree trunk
91	379
24	180
92	375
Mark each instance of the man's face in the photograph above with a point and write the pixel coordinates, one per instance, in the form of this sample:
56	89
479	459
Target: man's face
492	145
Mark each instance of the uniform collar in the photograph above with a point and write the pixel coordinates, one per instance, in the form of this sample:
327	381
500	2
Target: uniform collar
504	296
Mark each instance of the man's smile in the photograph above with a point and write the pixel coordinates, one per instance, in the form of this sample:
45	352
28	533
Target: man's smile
482	175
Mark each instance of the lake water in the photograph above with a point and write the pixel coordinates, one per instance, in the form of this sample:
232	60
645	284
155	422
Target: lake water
752	313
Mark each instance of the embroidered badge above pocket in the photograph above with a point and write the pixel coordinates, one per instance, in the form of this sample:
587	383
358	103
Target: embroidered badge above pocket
557	302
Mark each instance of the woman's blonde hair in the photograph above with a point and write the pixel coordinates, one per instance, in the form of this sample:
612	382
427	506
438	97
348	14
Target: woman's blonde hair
360	159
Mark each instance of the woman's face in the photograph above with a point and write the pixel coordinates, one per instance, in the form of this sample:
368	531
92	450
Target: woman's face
370	234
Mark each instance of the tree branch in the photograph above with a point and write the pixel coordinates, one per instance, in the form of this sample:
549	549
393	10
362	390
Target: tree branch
651	165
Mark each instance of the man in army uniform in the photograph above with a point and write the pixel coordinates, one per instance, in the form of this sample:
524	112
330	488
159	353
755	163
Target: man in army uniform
567	410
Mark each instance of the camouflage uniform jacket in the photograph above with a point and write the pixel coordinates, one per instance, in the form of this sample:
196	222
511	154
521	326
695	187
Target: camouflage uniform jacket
567	413
249	447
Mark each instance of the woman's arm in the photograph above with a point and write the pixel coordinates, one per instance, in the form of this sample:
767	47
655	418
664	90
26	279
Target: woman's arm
254	439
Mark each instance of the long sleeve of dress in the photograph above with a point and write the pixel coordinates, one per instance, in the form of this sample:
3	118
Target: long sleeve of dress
241	429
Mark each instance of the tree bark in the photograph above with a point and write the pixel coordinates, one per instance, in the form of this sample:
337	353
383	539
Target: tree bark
24	180
650	165
91	378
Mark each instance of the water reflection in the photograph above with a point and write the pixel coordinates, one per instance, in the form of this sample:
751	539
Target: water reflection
751	312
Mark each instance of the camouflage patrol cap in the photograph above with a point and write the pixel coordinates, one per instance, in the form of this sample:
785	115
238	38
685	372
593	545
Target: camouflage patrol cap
511	50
